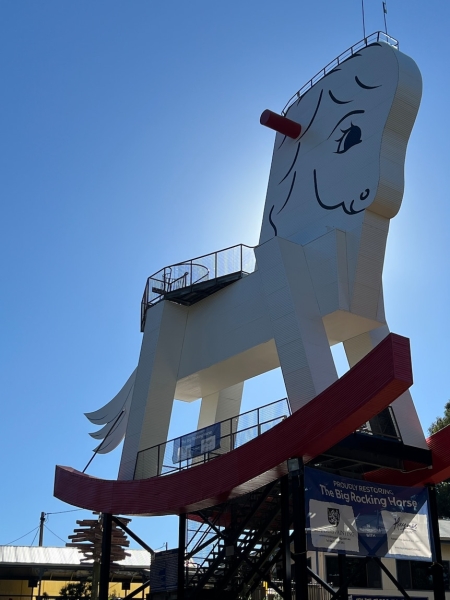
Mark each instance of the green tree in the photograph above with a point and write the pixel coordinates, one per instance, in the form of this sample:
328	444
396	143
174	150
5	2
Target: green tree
442	489
441	422
76	591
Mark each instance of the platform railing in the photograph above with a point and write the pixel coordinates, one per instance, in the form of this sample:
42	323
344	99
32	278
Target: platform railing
209	267
383	426
210	442
370	39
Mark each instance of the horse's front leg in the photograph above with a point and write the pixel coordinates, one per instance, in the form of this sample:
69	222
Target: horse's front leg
298	330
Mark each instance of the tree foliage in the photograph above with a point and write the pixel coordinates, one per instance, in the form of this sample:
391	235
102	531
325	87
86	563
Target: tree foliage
442	489
76	591
441	422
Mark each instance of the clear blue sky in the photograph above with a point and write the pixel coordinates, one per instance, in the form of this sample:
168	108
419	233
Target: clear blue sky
130	140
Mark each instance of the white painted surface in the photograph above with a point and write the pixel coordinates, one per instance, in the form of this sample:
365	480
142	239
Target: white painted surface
330	197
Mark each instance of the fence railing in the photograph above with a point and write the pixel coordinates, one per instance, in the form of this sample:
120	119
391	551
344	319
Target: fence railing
370	39
210	442
236	259
383	425
315	592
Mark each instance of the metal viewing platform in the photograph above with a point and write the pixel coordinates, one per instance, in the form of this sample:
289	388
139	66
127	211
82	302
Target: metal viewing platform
193	280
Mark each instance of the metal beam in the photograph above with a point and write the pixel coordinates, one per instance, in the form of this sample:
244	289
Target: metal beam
437	569
391	577
137	590
135	537
343	581
285	541
181	551
297	481
106	557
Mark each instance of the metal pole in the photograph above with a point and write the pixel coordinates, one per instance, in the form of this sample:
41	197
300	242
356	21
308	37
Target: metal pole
95	580
363	18
181	553
300	549
384	15
436	568
106	557
343	585
41	529
285	544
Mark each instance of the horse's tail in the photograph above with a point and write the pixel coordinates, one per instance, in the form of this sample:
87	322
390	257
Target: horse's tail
114	417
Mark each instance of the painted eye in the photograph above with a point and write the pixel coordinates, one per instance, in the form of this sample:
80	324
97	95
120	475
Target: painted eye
350	137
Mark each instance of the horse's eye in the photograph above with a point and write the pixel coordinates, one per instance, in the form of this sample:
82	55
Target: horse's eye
350	137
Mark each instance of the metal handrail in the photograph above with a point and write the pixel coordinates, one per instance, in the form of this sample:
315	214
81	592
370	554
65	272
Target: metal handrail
208	267
370	39
236	428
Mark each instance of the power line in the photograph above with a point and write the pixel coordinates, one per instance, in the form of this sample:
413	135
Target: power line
60	512
35	535
22	536
60	538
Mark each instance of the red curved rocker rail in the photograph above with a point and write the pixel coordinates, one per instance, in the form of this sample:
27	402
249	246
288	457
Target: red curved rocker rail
363	392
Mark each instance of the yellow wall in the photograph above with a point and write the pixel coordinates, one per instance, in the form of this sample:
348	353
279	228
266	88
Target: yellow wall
19	590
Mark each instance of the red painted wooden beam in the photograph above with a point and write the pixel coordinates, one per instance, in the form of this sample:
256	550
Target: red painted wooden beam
281	124
439	444
363	392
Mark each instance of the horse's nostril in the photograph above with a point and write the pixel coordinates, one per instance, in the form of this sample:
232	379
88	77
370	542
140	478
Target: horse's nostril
364	194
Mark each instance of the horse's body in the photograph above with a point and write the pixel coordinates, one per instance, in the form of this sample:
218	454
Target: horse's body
331	194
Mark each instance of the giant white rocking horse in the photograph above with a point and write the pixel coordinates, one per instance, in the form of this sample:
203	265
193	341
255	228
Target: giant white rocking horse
337	178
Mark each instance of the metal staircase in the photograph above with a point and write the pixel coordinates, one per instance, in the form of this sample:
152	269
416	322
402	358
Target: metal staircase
234	545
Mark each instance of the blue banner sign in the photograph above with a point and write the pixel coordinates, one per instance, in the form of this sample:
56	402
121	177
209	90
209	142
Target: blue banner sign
164	571
368	519
365	597
196	443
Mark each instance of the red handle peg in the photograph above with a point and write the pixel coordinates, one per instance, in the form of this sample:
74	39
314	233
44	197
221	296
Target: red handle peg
281	124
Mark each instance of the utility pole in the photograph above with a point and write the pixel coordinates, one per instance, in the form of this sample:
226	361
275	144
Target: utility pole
41	529
41	543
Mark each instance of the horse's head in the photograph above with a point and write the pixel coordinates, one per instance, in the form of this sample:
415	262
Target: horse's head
350	154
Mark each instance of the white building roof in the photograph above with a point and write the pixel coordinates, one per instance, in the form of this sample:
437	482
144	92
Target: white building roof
48	555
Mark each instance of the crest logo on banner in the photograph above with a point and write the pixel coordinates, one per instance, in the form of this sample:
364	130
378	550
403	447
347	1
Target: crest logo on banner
334	516
364	518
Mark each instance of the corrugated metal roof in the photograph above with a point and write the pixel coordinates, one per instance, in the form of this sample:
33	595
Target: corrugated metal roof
46	555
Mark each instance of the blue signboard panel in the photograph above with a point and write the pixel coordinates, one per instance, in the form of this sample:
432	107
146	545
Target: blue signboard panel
164	571
368	519
380	597
196	443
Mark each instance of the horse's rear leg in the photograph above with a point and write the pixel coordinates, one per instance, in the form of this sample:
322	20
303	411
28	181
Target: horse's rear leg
223	406
154	388
404	410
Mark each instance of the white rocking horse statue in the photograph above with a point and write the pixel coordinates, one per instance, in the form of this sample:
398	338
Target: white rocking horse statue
337	178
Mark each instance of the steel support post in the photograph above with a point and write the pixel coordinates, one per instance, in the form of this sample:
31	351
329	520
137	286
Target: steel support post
437	568
297	478
343	581
181	553
106	557
285	542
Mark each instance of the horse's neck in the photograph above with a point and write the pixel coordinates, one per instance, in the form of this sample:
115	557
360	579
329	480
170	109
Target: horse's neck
346	265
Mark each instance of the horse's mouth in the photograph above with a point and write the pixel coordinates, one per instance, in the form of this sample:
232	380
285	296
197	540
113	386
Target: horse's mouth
349	211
